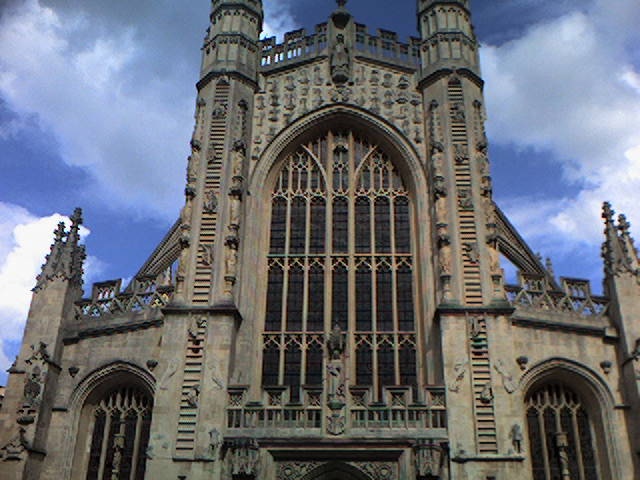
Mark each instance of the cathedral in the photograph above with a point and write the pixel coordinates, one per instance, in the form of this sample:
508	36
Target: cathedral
330	302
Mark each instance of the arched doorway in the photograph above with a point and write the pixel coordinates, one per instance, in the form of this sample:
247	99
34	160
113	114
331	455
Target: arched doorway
336	471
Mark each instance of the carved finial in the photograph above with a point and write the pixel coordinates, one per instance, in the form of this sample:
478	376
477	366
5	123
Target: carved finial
628	246
66	257
549	266
607	212
53	260
618	250
76	218
623	224
58	234
74	232
341	16
76	253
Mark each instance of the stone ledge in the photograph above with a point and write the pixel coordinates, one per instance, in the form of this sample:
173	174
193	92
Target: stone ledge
597	331
113	329
487	458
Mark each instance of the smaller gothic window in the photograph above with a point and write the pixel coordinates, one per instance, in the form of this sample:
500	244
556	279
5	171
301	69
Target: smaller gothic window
560	435
120	426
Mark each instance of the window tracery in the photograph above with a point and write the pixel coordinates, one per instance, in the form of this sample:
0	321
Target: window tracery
560	435
119	426
340	254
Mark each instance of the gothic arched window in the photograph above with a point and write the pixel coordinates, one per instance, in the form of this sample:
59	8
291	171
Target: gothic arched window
118	426
560	435
340	254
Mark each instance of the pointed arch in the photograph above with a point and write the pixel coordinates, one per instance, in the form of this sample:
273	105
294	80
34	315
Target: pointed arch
593	399
336	471
109	375
406	158
112	409
345	131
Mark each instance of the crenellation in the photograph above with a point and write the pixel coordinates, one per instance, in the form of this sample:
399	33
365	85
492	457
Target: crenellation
107	300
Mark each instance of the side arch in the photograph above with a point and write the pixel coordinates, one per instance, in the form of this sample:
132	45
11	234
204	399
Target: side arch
596	397
107	376
130	383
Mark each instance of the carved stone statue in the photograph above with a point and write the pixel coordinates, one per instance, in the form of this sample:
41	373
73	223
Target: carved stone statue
486	396
459	370
445	260
340	61
193	396
210	203
335	343
234	217
461	155
335	387
231	261
516	438
215	443
472	252
33	388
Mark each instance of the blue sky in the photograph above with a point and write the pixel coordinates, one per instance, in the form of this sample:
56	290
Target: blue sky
97	101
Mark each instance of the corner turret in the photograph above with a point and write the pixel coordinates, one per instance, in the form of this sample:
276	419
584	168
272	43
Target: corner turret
26	411
231	45
618	251
448	40
622	286
66	255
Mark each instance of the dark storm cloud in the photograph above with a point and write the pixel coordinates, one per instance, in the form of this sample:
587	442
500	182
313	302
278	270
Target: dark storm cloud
168	35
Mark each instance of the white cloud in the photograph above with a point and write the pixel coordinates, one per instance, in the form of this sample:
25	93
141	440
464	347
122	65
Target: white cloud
24	241
132	140
569	87
88	80
278	19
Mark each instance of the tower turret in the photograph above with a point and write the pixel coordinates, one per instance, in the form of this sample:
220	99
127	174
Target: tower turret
448	39
465	217
212	219
471	299
231	44
216	168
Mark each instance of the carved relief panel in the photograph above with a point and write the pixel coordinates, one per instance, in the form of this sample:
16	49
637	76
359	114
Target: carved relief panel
288	96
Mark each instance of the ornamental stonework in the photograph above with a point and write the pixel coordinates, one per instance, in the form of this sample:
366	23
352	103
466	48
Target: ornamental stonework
285	97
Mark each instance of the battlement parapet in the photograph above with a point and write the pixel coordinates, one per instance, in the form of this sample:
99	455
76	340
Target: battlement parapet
107	300
574	298
300	46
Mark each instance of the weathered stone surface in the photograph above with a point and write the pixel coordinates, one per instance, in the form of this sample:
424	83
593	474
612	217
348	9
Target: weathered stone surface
194	339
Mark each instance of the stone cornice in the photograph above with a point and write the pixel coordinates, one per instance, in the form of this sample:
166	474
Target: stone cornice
443	72
487	458
220	309
212	75
230	5
456	310
592	330
112	329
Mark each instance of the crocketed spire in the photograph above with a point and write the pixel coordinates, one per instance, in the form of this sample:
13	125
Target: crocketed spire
66	257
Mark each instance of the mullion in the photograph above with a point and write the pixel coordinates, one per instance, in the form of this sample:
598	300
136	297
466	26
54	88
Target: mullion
377	223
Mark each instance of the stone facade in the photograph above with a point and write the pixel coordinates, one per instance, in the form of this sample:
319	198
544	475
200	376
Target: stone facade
187	373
